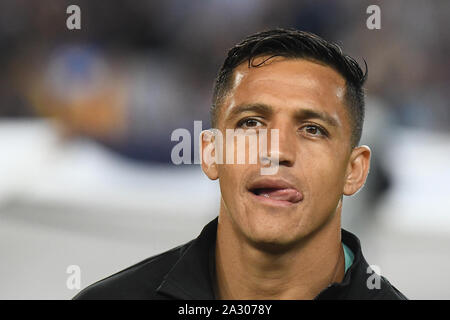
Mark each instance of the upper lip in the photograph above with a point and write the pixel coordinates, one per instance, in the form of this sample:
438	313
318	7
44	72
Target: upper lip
271	183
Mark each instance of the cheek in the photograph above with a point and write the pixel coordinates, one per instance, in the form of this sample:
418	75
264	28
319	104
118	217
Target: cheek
325	178
231	184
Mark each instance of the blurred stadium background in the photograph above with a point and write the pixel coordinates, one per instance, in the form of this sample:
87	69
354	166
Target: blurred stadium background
86	118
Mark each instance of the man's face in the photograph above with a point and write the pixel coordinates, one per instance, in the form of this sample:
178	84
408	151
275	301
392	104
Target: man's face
305	102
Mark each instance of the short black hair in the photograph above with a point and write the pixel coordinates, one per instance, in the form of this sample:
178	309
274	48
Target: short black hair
291	43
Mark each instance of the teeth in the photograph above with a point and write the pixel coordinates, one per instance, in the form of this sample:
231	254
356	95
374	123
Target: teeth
265	195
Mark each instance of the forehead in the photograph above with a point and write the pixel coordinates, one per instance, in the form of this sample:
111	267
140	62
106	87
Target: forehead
289	84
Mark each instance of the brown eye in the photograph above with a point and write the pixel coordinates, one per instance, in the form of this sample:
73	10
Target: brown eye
314	130
249	123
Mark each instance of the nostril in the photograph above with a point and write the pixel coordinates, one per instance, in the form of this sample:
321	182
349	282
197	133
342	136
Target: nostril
286	163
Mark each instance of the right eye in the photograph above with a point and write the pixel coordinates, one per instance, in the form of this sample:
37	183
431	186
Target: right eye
249	123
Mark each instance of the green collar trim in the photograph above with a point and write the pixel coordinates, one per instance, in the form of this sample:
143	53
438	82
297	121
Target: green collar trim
349	256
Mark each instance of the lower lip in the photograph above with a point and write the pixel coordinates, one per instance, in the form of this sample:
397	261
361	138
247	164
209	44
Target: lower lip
273	202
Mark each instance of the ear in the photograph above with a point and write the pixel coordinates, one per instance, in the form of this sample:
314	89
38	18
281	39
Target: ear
208	154
357	170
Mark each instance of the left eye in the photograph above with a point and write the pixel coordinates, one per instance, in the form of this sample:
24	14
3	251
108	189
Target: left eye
314	130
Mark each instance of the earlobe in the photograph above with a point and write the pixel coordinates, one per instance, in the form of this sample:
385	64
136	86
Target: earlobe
357	170
207	156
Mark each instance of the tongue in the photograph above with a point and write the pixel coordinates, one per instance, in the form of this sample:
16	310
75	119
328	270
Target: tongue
290	195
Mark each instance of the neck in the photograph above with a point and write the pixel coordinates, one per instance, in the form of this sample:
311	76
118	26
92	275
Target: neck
302	272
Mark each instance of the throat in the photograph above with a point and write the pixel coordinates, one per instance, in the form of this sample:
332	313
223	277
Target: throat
243	270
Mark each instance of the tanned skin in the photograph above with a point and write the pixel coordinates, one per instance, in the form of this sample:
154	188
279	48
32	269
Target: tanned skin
278	250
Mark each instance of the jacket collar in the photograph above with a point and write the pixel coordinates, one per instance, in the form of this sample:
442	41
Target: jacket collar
353	286
192	276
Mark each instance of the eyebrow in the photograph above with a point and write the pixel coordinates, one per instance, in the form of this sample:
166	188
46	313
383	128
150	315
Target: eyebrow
260	108
304	114
267	110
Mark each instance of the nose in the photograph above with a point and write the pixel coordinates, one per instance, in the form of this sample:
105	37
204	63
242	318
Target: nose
286	150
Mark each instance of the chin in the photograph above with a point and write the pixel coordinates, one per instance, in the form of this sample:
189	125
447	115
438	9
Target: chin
272	237
274	245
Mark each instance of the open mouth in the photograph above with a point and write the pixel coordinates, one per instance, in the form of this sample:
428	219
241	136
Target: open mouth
277	195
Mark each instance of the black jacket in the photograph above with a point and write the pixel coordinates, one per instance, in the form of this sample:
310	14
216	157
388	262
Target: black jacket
187	272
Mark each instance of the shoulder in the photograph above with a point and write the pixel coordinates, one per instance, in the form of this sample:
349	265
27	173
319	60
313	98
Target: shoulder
139	281
387	291
362	281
